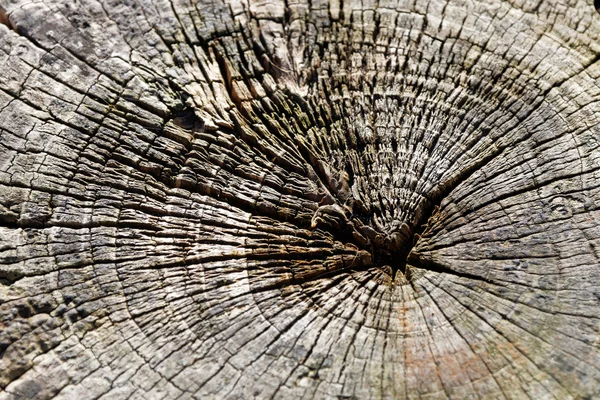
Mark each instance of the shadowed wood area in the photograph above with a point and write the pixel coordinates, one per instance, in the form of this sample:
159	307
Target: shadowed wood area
299	199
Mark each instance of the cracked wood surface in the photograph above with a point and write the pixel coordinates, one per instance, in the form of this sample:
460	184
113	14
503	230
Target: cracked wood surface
302	199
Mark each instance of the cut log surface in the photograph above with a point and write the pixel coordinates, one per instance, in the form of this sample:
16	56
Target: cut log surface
302	199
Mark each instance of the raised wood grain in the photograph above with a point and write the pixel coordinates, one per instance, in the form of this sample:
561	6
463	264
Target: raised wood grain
302	199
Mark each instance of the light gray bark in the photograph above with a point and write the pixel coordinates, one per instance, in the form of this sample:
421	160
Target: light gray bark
301	199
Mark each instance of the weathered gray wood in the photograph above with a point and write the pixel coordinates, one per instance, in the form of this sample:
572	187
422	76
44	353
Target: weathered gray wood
301	199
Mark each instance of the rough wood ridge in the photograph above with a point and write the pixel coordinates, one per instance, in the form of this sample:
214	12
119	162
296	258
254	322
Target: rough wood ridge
336	199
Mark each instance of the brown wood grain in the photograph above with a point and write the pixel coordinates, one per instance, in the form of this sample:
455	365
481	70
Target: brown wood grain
299	199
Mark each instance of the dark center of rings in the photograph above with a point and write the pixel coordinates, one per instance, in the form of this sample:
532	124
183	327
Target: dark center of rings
387	251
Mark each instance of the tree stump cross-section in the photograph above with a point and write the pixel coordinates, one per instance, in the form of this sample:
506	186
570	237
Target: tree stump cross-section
298	199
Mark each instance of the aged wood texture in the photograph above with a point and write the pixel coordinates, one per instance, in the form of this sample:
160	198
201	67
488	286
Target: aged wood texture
301	199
